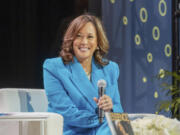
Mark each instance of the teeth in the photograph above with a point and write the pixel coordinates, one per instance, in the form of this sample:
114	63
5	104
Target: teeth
84	49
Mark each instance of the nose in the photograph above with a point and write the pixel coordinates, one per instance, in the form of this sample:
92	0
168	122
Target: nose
84	40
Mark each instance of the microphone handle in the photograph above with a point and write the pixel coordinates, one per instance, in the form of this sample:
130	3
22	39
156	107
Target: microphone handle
100	111
101	115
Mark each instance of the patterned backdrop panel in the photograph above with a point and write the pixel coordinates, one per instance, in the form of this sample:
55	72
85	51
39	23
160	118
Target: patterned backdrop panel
139	32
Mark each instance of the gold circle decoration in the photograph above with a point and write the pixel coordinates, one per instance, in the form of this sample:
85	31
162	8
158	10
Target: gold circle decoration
149	57
154	31
161	73
156	94
144	79
168	50
131	0
125	20
137	39
143	11
112	1
162	2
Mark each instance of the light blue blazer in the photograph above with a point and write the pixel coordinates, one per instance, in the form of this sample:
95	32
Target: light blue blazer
70	93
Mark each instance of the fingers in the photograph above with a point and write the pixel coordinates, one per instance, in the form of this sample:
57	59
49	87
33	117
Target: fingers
96	100
105	103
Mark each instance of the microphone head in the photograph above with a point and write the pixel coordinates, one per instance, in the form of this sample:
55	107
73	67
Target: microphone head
101	83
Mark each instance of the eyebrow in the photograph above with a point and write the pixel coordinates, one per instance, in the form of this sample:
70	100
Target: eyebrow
88	33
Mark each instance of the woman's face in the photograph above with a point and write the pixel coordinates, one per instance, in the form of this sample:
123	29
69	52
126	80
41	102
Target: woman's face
85	42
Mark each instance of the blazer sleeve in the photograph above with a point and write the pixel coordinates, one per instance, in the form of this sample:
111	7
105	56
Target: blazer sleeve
60	102
117	107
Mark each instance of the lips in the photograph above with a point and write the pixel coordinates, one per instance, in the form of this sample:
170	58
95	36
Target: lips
83	49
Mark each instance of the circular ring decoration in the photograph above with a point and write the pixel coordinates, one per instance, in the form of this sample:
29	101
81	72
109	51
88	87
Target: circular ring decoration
137	39
144	79
149	57
143	11
161	73
125	20
162	2
156	94
168	50
154	31
112	1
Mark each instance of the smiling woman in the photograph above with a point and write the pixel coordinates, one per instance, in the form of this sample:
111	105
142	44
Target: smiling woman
92	27
71	80
85	43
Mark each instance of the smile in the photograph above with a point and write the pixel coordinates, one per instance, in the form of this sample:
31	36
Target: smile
84	49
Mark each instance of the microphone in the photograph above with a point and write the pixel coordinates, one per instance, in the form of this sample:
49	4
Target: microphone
101	91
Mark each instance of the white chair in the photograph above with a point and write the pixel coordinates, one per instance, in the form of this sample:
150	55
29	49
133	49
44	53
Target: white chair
23	100
27	111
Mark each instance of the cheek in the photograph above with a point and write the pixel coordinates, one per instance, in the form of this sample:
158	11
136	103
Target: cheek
94	44
74	43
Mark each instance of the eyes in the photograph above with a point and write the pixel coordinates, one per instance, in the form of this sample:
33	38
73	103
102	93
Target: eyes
80	36
90	36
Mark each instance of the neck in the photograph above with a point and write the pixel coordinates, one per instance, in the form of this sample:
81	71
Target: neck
86	64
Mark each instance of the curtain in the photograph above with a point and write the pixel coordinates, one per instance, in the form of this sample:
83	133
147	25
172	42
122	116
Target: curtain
139	34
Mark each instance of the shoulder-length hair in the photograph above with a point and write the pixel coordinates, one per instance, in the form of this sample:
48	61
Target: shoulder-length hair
67	52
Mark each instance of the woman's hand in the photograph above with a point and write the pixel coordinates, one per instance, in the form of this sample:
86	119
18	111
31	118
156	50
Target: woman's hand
105	103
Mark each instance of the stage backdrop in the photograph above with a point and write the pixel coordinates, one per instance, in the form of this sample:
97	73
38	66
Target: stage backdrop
139	32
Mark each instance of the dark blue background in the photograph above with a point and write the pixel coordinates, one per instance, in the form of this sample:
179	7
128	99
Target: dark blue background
137	96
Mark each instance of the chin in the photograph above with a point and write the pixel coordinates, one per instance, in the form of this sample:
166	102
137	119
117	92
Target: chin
82	58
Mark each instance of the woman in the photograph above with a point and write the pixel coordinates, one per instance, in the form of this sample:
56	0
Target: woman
71	80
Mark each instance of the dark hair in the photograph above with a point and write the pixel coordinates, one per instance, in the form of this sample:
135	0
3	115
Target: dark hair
67	46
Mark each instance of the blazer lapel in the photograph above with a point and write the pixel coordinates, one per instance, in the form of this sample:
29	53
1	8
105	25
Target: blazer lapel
83	84
96	75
